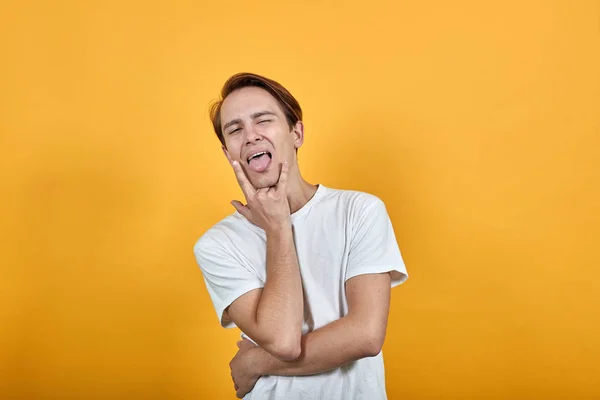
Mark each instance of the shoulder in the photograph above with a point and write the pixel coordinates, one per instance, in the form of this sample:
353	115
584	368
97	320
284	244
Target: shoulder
222	233
354	201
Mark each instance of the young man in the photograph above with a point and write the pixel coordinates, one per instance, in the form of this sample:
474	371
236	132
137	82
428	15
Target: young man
304	270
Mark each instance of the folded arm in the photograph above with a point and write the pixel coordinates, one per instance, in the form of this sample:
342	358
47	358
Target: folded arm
361	333
272	316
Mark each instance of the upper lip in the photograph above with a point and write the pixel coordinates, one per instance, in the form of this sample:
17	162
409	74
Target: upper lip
256	151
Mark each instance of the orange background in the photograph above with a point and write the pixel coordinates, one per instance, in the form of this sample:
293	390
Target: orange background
478	123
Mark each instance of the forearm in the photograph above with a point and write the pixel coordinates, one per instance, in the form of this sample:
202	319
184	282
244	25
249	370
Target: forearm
280	310
332	346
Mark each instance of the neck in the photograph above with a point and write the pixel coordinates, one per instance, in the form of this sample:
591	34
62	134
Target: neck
299	192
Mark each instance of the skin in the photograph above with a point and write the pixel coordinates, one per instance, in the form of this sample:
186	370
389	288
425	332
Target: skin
270	131
359	334
272	316
252	120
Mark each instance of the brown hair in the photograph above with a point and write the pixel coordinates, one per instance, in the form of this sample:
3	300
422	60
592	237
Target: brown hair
290	106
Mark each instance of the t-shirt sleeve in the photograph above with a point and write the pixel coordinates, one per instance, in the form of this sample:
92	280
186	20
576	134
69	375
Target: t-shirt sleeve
225	276
373	247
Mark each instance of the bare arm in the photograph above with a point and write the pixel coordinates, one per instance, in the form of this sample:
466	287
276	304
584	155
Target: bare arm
272	316
359	334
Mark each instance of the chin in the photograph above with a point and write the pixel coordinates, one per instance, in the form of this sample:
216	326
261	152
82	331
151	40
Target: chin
265	181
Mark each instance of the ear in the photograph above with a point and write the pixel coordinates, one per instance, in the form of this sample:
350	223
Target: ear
226	153
298	132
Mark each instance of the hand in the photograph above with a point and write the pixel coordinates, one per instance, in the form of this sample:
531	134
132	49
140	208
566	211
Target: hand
267	208
243	368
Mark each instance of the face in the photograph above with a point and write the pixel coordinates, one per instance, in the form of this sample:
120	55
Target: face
258	136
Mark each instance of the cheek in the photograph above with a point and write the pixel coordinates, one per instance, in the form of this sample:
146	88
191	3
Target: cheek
285	138
233	147
231	156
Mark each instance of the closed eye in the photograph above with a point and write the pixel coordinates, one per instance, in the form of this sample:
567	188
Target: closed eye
234	131
264	120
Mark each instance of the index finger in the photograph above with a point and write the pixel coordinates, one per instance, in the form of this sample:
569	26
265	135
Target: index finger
243	181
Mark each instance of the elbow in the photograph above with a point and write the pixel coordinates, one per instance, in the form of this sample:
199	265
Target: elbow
288	353
373	343
372	349
287	349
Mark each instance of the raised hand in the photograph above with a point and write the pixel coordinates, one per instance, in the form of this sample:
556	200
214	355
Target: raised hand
267	208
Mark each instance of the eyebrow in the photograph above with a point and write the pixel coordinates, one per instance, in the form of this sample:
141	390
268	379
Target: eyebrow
257	114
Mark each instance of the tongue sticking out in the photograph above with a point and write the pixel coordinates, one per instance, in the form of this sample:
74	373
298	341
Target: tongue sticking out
259	164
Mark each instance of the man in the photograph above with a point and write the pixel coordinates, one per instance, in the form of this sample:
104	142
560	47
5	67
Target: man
304	270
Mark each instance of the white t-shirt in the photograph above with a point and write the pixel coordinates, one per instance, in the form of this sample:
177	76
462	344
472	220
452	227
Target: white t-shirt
339	234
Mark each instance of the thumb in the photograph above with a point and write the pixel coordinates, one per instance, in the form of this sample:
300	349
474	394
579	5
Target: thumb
242	209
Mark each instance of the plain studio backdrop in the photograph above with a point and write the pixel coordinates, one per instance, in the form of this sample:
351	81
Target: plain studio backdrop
478	123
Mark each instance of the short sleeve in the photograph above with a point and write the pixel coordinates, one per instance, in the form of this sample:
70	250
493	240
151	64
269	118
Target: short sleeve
225	276
373	246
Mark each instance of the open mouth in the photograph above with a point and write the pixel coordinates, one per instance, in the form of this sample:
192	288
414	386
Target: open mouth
258	155
260	161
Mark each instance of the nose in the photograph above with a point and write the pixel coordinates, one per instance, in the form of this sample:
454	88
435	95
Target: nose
252	136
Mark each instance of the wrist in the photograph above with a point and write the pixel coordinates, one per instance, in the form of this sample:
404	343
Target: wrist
279	227
259	360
